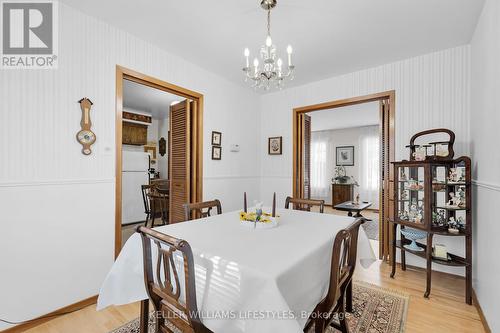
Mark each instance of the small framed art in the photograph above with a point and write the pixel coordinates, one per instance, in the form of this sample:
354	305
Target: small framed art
345	156
275	145
216	138
216	153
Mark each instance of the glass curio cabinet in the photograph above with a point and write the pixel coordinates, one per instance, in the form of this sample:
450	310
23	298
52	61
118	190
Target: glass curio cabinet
432	196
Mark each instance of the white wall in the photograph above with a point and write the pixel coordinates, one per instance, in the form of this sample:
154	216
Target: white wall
162	164
58	205
485	121
431	91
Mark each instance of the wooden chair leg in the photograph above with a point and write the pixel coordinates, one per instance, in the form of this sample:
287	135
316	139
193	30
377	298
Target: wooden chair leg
348	297
319	326
153	213
342	320
144	317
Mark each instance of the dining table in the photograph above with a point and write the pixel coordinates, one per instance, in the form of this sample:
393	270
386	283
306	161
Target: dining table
247	279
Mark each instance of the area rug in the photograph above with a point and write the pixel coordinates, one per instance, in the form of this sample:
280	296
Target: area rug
371	228
375	310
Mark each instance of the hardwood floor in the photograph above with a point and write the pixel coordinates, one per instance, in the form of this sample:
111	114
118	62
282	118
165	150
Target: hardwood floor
445	311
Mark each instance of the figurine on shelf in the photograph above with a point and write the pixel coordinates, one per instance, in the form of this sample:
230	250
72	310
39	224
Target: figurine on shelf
453	226
454	175
413	214
438	218
455	200
442	150
461	223
404	215
461	195
461	174
419	154
420	213
403	175
404	195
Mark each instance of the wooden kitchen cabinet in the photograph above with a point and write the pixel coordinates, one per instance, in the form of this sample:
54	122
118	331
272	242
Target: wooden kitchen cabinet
134	134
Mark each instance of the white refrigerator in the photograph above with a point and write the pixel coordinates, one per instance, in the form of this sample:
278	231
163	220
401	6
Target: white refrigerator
135	166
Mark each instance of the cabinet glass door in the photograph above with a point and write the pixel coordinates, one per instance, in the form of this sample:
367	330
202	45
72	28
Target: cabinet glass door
449	203
410	195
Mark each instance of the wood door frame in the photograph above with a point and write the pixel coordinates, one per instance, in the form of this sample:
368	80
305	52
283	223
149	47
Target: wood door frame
123	73
388	147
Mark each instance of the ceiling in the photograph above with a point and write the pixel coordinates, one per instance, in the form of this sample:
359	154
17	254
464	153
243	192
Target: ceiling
329	37
148	100
358	115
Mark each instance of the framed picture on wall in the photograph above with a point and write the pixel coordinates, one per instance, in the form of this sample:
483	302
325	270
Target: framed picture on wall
274	145
216	153
216	138
345	156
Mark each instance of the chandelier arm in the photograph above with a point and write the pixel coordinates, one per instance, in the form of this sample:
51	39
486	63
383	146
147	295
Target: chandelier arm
269	21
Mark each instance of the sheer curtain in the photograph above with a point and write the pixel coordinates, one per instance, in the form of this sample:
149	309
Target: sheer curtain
321	164
369	164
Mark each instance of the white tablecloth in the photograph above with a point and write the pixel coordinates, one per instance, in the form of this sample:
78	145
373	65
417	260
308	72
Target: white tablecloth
261	280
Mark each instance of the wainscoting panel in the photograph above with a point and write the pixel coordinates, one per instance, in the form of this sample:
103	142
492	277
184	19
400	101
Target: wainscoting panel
57	246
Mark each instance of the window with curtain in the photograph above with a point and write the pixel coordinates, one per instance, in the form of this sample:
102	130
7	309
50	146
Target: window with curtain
318	169
321	160
369	165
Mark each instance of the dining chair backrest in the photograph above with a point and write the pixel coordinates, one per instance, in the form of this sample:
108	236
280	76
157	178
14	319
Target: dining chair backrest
343	263
304	204
159	182
146	190
201	209
159	202
163	184
174	300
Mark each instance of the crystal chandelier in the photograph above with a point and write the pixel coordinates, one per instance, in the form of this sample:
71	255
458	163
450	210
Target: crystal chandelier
271	72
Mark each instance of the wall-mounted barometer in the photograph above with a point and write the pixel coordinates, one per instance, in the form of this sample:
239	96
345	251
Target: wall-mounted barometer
85	136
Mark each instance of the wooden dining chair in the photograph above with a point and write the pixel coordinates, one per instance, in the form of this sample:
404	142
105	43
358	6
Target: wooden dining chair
333	306
145	190
174	301
304	204
201	209
159	206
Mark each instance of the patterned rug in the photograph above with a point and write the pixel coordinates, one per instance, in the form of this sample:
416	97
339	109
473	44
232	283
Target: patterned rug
375	310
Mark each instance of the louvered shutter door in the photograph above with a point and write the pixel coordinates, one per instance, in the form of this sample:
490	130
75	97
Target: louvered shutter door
180	161
306	123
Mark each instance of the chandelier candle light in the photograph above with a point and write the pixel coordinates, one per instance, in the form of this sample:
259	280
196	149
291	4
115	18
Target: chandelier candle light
272	71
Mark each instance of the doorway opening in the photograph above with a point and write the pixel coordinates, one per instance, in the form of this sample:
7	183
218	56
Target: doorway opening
159	139
341	154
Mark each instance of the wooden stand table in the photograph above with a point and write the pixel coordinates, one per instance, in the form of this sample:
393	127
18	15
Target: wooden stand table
351	207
